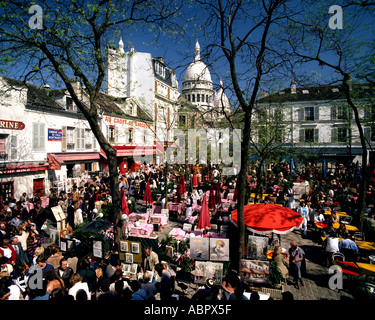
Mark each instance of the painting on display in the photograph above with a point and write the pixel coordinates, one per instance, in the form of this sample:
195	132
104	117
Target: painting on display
208	270
257	248
97	249
219	249
255	271
128	257
124	246
169	251
200	248
54	237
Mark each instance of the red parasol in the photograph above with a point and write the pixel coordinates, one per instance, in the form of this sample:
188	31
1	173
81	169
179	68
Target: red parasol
124	203
148	196
195	179
182	182
235	195
265	218
211	199
217	194
204	216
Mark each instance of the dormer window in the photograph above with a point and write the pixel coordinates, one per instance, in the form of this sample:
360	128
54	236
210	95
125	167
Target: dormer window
69	104
130	109
160	69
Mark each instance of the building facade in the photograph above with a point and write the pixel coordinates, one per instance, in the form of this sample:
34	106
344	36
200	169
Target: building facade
45	141
150	81
318	122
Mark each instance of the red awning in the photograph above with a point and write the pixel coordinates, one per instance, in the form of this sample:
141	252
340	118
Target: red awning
23	167
129	151
78	156
54	162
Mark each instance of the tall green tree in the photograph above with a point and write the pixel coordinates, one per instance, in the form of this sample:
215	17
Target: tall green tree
238	37
68	39
339	41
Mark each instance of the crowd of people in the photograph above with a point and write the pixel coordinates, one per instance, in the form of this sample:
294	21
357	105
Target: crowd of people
23	230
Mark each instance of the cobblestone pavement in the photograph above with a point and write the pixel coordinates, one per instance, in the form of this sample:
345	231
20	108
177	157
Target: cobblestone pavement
317	275
316	278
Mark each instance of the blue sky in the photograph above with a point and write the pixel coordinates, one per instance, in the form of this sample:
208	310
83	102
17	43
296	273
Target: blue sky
179	53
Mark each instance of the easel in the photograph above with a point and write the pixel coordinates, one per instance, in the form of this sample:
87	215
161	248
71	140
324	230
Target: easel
60	219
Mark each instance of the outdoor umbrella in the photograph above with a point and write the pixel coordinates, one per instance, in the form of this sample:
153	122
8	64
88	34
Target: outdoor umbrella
148	196
124	203
217	194
265	218
235	195
96	226
204	216
182	182
211	199
195	179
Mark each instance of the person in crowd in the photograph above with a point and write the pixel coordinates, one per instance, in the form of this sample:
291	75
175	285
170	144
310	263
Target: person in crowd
349	248
88	275
76	284
304	211
148	286
166	281
41	261
295	263
55	256
34	241
151	259
282	263
330	246
64	272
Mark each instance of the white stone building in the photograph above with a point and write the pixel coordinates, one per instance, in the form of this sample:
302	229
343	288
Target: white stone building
151	82
318	121
44	139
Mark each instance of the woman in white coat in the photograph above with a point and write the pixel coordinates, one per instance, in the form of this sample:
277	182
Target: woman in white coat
77	284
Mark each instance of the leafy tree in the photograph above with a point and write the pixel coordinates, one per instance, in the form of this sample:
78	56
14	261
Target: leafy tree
68	39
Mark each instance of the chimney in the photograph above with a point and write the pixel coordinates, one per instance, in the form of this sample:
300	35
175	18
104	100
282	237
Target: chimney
293	87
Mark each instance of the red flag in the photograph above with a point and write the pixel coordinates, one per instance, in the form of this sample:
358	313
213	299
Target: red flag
124	203
211	199
195	179
204	216
148	196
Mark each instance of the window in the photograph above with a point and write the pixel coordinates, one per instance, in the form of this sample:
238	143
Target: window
13	147
70	141
340	134
69	104
38	136
130	109
339	113
88	139
7	190
198	98
193	97
308	135
309	114
130	135
3	149
111	134
188	97
182	120
80	138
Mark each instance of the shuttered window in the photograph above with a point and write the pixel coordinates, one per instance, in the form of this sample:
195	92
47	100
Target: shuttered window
39	136
13	148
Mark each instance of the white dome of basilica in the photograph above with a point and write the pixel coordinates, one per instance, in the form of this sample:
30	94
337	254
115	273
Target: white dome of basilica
197	70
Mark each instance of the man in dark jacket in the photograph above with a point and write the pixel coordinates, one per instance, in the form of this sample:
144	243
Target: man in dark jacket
88	275
64	272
